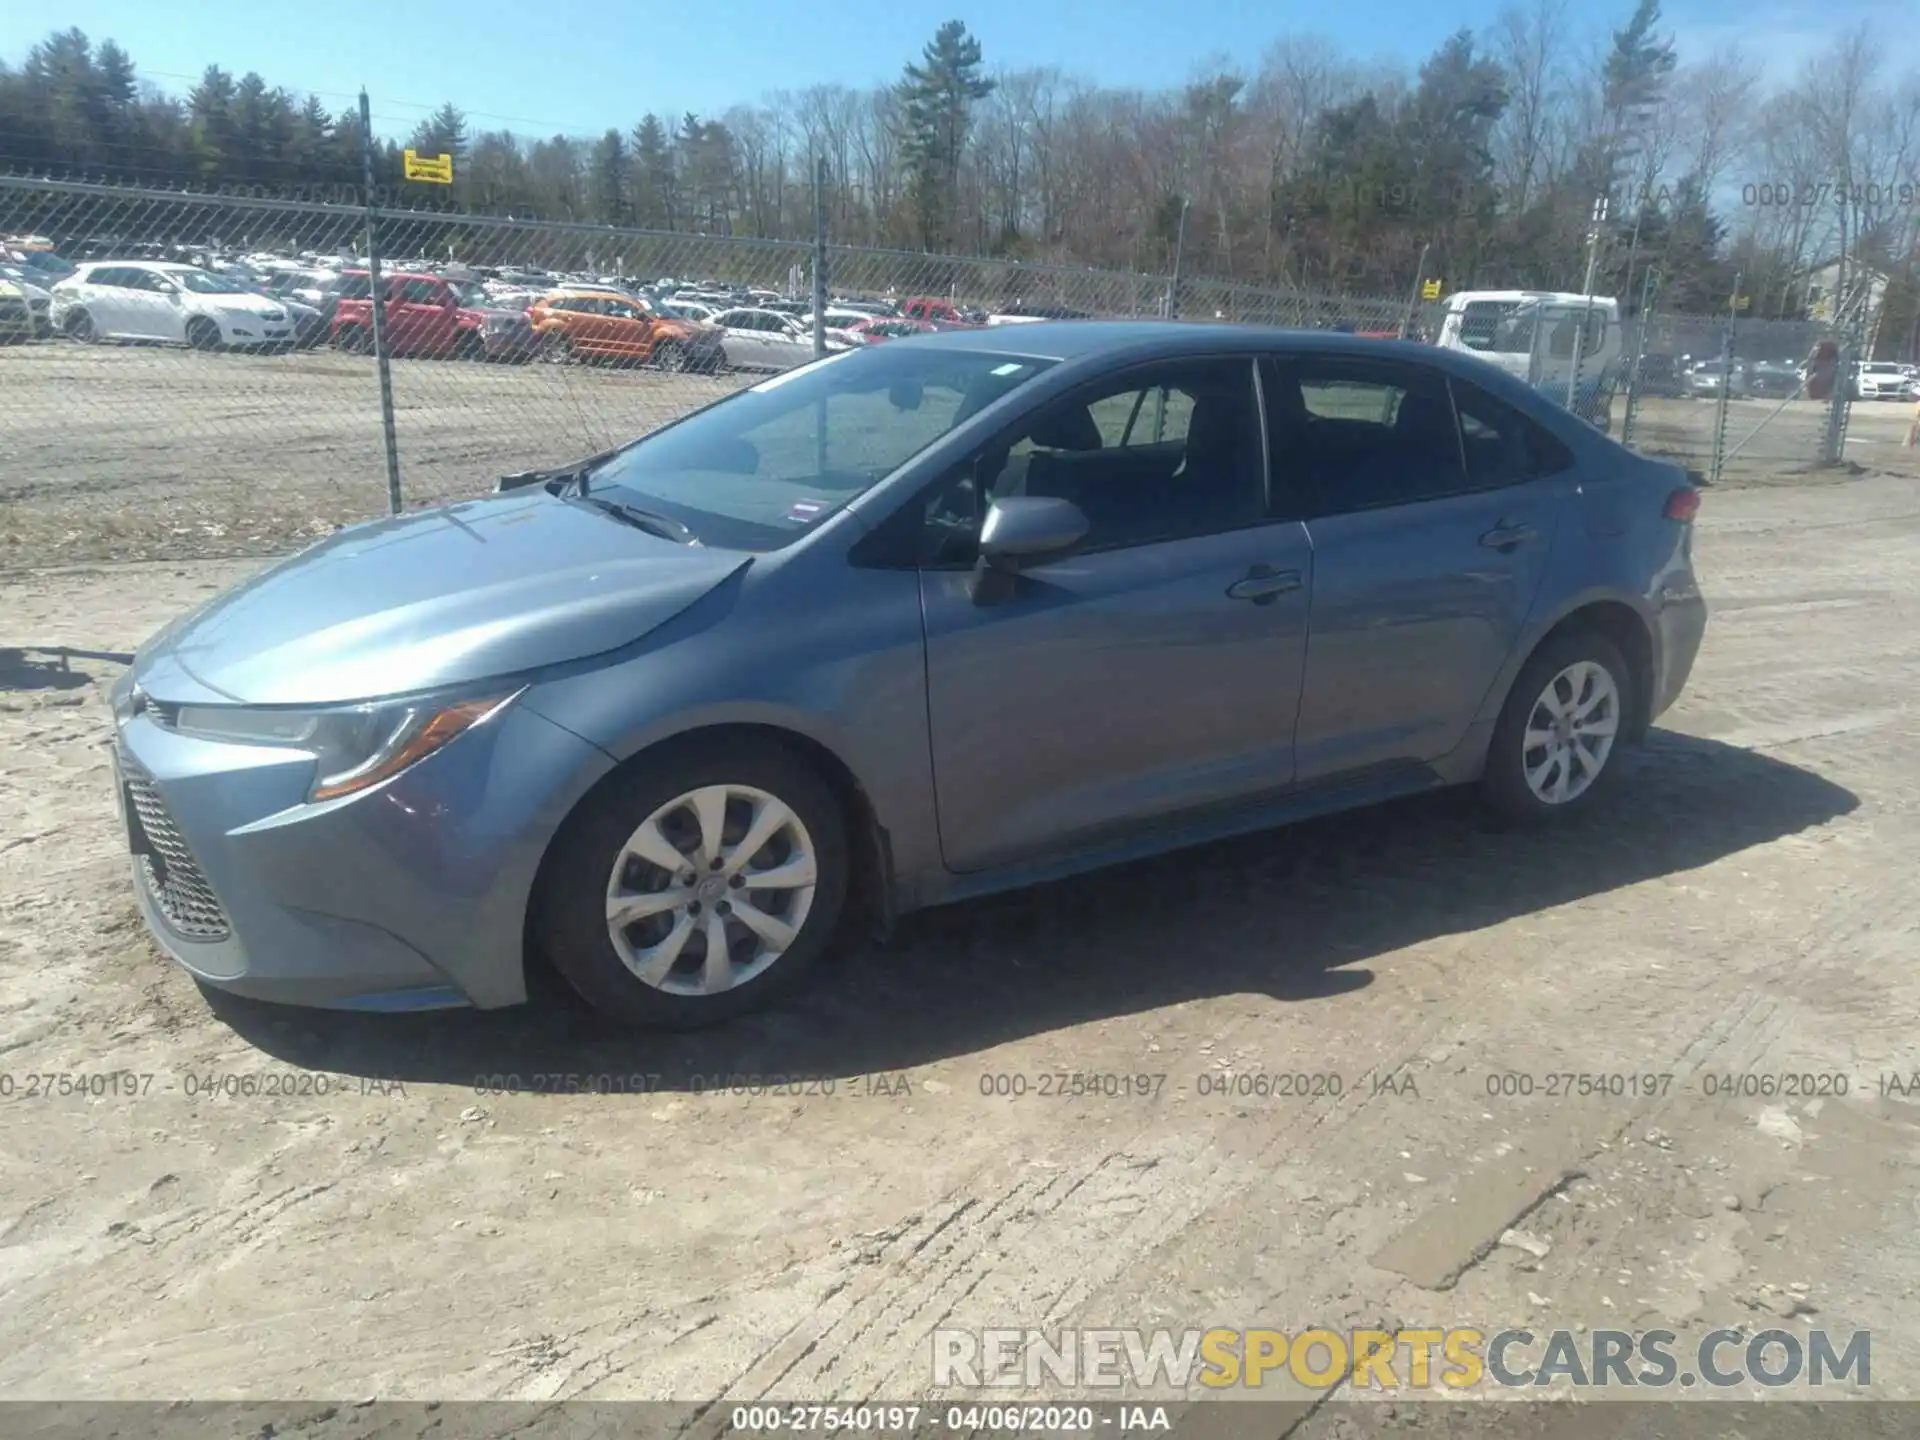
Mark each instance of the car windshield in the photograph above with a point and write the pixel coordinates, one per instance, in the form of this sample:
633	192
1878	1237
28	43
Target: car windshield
760	468
201	283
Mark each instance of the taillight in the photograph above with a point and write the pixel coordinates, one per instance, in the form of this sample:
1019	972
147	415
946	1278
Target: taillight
1683	505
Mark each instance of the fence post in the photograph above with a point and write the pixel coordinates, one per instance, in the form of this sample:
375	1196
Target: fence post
1179	247
819	257
377	299
1639	356
1720	404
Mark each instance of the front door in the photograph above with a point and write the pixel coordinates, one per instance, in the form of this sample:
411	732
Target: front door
1149	676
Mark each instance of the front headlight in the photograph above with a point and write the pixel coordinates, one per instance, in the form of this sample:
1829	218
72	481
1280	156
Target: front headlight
355	746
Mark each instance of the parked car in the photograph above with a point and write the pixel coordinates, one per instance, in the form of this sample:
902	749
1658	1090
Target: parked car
421	315
580	325
887	327
34	296
1662	376
692	311
1880	380
869	639
944	314
491	328
1709	377
16	314
1774	379
178	304
769	340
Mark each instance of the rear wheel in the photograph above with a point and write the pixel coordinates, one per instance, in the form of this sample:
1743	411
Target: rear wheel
696	885
556	349
1557	735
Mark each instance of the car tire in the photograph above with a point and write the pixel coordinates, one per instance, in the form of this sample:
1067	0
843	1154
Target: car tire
670	356
1583	673
654	972
353	339
556	349
469	347
203	334
80	329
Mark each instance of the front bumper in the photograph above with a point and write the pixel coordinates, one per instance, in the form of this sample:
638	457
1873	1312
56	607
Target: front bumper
409	896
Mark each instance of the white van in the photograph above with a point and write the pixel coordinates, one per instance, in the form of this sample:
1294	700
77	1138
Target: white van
1534	334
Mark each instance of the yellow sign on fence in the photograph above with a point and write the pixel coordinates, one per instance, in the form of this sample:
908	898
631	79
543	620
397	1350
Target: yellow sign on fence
436	169
1430	290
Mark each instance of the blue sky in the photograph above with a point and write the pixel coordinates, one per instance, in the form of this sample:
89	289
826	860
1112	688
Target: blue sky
576	66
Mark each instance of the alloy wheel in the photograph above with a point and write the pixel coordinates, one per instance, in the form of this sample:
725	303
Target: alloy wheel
1570	732
710	890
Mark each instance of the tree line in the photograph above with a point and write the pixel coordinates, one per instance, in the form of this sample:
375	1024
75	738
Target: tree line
1480	167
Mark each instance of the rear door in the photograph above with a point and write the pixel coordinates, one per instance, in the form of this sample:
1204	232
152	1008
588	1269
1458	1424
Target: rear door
1430	535
1153	674
107	296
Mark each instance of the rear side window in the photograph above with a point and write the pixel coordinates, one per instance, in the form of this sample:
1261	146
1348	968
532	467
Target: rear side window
1502	446
1349	435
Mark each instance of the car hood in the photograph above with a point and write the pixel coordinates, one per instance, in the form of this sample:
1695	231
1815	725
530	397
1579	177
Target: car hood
498	586
250	304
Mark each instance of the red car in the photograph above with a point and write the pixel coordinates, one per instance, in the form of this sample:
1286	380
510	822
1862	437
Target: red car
887	327
425	315
940	313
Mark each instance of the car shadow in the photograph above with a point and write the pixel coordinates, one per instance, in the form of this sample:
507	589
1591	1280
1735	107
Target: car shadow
1295	915
18	672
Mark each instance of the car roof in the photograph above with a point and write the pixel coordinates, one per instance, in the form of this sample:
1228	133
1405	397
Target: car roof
1064	340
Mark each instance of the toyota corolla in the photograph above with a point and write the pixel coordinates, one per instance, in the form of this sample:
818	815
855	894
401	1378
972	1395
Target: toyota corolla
913	623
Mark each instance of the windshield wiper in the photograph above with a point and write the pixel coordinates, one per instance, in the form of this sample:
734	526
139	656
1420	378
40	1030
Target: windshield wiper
651	521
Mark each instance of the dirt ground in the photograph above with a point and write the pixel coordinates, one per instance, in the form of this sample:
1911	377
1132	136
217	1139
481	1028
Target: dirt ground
1744	906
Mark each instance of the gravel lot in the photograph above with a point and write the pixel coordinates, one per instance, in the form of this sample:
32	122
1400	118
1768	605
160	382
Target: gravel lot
1746	905
121	452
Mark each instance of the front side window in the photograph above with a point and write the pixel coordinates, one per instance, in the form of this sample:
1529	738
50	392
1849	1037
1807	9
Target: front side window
765	465
201	283
1163	454
1350	435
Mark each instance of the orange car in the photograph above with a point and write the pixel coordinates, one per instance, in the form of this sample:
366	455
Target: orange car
606	325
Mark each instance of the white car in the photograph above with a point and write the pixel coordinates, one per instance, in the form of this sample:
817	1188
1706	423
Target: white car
768	340
1881	380
180	304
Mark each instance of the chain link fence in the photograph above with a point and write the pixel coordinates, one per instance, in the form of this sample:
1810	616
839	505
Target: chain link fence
217	380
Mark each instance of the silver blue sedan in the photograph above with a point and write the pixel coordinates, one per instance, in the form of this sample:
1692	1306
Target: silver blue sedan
910	624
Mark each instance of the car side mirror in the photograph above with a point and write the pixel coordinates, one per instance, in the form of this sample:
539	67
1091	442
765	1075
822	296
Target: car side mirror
1020	531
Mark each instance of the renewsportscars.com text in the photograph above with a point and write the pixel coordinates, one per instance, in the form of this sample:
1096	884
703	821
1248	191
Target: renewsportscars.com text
1455	1359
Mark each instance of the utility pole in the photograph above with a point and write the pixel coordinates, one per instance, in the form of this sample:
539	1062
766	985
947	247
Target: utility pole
1419	284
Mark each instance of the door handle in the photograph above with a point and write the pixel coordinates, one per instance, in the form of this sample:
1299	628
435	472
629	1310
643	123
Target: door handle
1506	537
1263	584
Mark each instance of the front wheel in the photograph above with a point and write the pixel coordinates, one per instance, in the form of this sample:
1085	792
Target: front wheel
698	884
1559	730
671	357
203	334
80	328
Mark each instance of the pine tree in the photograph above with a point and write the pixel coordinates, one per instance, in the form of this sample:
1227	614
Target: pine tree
611	179
655	191
936	99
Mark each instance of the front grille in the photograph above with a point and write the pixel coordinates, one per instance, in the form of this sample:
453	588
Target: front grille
173	877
